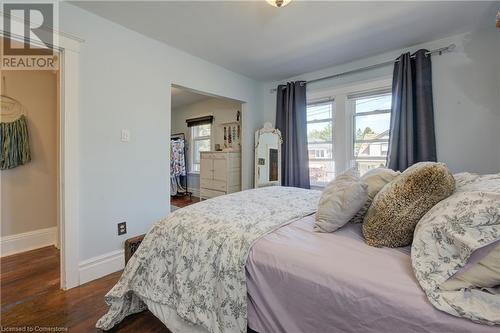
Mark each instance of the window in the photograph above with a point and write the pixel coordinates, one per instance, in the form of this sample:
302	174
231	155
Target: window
200	141
371	124
318	153
346	126
320	142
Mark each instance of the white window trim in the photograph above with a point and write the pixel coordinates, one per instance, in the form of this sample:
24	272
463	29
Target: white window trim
343	143
331	120
192	145
351	109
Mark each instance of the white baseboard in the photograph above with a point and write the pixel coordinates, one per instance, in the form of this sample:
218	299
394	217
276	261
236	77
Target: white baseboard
27	241
100	266
195	191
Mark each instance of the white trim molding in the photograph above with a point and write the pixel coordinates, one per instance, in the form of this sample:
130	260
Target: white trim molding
69	163
69	48
50	30
69	178
27	241
100	266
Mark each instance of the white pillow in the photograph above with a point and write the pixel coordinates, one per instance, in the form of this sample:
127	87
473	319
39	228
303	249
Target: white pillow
484	274
341	199
376	179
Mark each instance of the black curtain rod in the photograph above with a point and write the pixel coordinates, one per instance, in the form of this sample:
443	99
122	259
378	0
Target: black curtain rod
439	51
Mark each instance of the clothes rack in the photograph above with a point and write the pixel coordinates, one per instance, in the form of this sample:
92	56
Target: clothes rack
185	192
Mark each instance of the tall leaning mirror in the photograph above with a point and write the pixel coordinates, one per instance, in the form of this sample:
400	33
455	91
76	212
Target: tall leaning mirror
267	156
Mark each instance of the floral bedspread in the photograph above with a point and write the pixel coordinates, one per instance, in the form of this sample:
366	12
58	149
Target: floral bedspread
194	260
446	237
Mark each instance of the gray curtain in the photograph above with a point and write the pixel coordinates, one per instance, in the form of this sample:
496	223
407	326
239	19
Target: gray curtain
412	138
291	120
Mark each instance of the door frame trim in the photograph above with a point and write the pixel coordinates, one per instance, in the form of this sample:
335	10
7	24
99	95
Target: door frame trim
69	153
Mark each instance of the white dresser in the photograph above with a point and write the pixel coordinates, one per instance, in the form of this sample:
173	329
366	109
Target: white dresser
220	173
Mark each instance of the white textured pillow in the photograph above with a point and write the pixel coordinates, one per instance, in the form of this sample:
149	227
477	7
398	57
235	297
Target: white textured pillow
341	199
484	274
376	179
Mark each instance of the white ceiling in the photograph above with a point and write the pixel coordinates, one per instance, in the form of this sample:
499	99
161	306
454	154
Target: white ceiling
267	43
183	97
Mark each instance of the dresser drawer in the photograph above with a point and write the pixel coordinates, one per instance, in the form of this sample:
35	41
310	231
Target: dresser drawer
206	193
206	155
213	184
219	156
213	156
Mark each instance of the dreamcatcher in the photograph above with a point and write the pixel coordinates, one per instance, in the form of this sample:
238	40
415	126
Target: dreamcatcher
14	139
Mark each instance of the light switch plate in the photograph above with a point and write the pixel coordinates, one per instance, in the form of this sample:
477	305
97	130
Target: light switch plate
125	135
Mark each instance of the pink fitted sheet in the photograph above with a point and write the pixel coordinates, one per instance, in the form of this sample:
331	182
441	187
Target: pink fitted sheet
302	281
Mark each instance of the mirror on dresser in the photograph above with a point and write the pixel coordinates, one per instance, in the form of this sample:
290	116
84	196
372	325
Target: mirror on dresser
267	156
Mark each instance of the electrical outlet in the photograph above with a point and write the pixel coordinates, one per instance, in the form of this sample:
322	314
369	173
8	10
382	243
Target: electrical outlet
122	228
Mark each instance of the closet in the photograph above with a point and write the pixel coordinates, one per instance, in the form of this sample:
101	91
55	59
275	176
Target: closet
220	173
29	128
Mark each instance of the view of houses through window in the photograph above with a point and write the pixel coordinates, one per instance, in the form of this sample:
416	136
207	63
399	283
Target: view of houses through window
367	114
320	142
371	120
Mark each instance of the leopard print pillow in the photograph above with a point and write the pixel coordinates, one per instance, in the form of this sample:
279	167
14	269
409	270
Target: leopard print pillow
397	208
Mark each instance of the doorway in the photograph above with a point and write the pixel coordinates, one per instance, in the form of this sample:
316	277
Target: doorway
30	180
67	51
203	126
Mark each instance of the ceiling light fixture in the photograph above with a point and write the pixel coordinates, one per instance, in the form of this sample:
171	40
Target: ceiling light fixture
278	3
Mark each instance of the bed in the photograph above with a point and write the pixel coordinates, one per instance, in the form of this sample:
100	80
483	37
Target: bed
294	279
302	281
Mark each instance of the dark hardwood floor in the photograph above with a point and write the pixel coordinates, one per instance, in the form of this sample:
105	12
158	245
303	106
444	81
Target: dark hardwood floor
183	201
30	296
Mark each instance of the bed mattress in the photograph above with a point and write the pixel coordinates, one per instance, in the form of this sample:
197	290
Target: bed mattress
302	281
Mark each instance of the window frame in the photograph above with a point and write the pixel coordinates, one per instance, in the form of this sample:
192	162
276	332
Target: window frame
343	130
351	107
195	139
331	120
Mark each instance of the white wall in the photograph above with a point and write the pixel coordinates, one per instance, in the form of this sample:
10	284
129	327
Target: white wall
466	87
224	111
125	83
498	58
29	192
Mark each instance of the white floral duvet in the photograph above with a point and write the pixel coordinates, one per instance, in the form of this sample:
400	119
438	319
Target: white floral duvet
445	238
194	260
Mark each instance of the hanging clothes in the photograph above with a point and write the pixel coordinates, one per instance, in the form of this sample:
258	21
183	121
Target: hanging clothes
14	141
177	166
176	187
177	158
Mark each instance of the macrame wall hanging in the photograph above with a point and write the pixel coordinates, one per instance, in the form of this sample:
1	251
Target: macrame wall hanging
14	139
